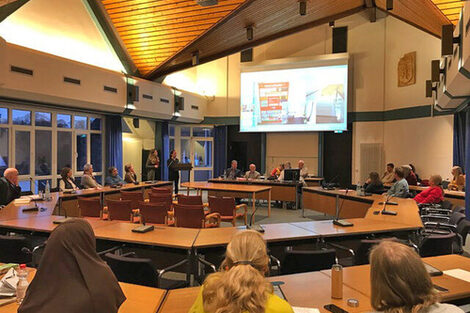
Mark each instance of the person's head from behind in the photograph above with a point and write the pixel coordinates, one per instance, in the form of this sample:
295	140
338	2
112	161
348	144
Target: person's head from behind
287	165
301	164
234	164
129	168
390	167
281	166
374	177
88	169
66	173
399	173
456	171
435	180
252	167
399	280
112	171
11	174
413	169
240	286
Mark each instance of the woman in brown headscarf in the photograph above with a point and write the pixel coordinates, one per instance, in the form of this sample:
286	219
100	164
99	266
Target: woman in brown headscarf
71	277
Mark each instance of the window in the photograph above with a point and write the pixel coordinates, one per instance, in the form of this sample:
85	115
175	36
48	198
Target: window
4	144
203	132
96	147
80	122
3	116
22	152
64	121
21	117
43	144
185	131
95	123
43	119
81	148
172	130
64	150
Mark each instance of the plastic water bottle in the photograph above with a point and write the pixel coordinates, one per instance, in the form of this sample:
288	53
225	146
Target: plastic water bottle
48	192
358	188
22	283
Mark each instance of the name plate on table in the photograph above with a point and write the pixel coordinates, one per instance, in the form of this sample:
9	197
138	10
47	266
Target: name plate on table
143	229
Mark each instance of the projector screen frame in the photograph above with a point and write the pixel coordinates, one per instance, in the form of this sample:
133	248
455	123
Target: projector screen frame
300	63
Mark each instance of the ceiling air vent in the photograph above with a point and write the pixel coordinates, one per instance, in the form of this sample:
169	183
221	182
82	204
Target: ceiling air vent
207	3
21	70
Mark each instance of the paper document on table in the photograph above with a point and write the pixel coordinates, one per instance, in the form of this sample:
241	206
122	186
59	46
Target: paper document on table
305	310
22	200
459	273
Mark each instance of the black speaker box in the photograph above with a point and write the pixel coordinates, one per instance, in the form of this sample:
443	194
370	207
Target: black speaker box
340	39
246	55
429	89
136	122
435	71
447	40
132	93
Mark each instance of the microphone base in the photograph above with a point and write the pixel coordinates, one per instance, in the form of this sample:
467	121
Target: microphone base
389	212
257	228
342	223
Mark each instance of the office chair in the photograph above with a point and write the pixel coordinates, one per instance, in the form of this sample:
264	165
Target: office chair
89	207
167	199
134	196
300	261
153	212
189	200
12	249
119	210
163	190
227	209
193	216
437	244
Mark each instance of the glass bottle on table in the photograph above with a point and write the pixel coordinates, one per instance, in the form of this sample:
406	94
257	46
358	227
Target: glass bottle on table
22	283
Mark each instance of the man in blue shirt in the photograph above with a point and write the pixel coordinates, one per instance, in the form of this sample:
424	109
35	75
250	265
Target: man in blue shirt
400	188
113	178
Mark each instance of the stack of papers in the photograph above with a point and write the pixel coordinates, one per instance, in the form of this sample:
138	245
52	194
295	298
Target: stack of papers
459	274
305	310
8	284
22	200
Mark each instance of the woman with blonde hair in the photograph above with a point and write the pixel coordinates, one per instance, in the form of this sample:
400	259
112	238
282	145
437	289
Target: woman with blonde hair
240	286
400	283
458	179
153	162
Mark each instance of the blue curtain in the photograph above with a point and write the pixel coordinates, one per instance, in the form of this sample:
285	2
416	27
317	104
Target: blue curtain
459	139
220	150
467	165
165	151
113	132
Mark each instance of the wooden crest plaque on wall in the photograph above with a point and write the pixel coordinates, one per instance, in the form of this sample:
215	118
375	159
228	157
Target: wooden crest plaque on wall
407	70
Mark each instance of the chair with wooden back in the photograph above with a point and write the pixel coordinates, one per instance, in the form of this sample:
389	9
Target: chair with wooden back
89	207
134	196
119	210
153	212
161	198
189	200
163	190
227	209
193	216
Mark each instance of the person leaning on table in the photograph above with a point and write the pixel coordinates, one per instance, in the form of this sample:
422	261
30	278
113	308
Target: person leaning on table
9	186
240	285
252	173
399	282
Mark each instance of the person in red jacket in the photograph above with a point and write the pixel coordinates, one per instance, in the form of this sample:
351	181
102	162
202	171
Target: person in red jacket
433	194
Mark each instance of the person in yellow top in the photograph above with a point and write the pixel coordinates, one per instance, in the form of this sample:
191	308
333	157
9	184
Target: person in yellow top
458	180
240	285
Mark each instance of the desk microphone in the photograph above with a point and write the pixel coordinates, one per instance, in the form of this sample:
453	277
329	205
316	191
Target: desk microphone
337	221
35	207
384	211
258	228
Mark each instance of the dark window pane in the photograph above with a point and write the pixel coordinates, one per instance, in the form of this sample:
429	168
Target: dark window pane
185	131
22	151
203	153
172	130
98	178
3	116
25	185
4	145
81	151
80	122
95	123
96	154
43	145
41	185
64	150
203	132
21	117
64	121
43	119
202	175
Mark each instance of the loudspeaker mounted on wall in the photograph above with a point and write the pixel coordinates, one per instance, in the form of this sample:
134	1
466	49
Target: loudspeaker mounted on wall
136	122
448	40
249	32
132	93
195	58
389	5
246	55
303	7
436	71
340	39
430	88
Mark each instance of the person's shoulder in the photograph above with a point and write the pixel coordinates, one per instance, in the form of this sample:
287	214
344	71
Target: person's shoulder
444	308
277	305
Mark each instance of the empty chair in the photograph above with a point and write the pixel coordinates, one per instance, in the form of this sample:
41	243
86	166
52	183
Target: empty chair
436	244
227	209
129	268
161	198
459	209
447	205
153	212
300	261
119	210
135	196
462	229
163	190
12	249
456	218
89	207
189	200
192	216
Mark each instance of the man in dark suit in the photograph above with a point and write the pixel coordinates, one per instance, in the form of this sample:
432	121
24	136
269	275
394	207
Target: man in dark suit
9	188
173	173
233	172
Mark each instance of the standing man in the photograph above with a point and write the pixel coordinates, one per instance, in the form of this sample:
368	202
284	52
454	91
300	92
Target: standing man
233	172
173	173
252	173
9	186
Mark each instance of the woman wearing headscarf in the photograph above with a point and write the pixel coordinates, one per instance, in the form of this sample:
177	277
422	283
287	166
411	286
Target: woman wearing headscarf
71	276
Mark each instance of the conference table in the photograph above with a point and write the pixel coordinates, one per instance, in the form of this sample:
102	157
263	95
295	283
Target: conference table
252	192
313	289
453	196
313	181
280	190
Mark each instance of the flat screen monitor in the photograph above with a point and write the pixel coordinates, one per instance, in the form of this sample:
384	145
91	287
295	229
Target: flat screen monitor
292	174
309	95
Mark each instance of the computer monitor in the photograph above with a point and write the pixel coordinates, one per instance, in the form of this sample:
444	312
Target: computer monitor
292	174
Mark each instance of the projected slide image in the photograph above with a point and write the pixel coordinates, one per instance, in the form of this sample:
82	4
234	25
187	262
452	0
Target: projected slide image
304	99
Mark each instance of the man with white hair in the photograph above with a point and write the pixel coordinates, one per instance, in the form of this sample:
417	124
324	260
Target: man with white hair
303	169
9	186
252	173
88	180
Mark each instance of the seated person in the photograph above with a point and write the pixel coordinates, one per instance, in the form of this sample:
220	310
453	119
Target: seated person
400	283
233	172
287	166
409	175
240	286
432	194
113	177
389	176
88	180
303	170
413	170
400	187
130	176
9	186
72	277
458	180
275	173
252	173
374	184
67	183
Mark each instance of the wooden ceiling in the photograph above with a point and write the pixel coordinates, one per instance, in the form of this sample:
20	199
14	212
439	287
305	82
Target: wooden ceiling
450	8
154	30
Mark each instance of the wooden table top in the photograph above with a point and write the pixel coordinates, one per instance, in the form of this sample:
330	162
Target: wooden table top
265	182
179	300
226	187
165	236
108	189
13	211
450	193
